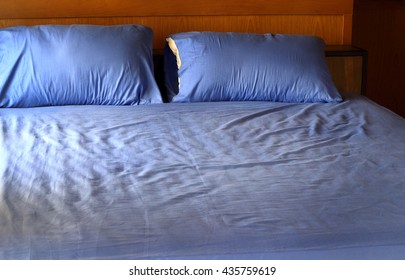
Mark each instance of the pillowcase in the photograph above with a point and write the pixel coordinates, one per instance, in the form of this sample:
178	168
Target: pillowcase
213	66
76	65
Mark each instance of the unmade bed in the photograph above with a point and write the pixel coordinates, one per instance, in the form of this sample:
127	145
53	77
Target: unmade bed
161	182
258	158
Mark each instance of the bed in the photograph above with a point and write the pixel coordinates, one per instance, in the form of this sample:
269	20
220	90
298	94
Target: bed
223	169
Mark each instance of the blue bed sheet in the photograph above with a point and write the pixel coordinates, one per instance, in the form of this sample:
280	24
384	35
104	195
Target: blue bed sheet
205	180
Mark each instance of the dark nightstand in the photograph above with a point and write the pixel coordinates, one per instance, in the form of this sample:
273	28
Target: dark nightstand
348	66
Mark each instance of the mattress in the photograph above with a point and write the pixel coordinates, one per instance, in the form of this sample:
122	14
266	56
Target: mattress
219	180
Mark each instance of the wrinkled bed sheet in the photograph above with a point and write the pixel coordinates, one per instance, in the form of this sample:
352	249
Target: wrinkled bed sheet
203	180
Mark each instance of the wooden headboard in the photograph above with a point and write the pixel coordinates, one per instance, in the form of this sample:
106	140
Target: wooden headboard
329	19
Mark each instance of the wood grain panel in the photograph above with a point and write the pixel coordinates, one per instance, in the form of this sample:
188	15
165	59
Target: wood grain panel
330	28
346	73
329	19
104	8
347	29
379	28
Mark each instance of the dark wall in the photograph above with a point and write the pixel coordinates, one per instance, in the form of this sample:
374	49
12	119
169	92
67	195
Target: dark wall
379	27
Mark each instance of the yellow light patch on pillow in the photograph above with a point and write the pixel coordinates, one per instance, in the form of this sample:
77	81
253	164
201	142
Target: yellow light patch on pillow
175	50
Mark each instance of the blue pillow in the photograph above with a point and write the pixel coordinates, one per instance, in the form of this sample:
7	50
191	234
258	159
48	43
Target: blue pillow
76	65
213	66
